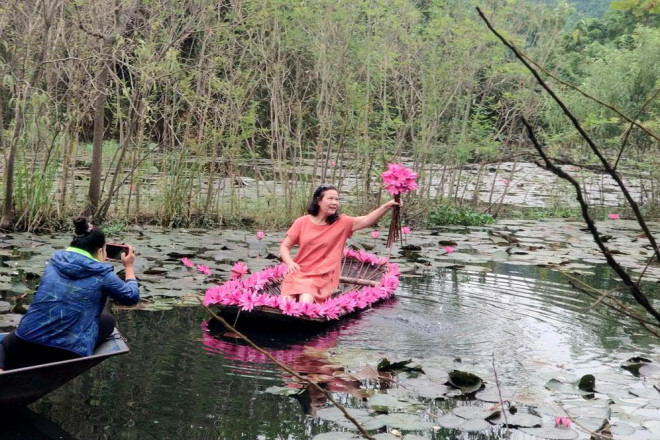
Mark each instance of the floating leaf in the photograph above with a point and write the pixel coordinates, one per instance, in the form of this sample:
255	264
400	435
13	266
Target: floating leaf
523	420
450	421
334	414
552	433
336	435
385	402
405	422
492	395
282	391
466	382
475	425
386	365
474	412
587	383
566	388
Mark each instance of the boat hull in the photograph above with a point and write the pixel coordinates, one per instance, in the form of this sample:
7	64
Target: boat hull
22	386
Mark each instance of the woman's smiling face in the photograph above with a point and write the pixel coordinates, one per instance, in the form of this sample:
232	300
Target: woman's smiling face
329	202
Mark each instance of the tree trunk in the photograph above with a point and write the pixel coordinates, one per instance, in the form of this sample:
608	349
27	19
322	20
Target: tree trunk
94	193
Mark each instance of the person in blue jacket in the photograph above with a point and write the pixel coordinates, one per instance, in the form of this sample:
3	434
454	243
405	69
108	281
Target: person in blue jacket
66	319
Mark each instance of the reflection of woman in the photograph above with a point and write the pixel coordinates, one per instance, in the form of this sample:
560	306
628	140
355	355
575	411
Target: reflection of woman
321	236
66	318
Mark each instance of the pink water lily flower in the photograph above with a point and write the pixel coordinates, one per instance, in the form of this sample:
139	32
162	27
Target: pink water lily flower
399	179
238	270
333	163
562	421
449	249
204	269
261	234
375	234
405	230
614	216
186	262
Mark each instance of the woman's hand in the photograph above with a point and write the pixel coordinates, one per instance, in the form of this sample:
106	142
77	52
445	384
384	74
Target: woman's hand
293	267
392	203
128	259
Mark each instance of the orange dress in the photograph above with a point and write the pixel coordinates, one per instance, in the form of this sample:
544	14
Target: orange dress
319	255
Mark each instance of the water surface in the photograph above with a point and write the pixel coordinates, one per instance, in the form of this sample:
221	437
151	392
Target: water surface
184	379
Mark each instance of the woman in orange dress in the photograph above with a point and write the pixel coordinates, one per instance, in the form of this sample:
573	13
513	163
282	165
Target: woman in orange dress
314	273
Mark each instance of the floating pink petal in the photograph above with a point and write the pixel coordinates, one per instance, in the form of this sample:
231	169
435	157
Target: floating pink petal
186	262
614	216
375	234
204	269
449	249
261	234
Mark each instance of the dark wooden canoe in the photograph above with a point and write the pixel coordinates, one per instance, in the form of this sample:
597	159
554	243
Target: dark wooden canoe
22	386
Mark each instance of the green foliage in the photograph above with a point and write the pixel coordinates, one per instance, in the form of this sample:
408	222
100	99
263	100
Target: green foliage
276	90
565	212
446	215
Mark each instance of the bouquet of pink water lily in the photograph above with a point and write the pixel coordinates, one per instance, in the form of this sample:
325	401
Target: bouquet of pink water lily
261	289
397	180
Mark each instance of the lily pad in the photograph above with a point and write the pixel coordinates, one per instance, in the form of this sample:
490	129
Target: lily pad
474	412
551	433
334	414
282	391
336	435
475	425
369	423
386	365
450	421
466	382
385	402
522	420
385	436
621	429
565	388
405	422
653	426
492	395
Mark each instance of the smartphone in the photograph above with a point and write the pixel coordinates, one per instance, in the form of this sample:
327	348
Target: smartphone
113	251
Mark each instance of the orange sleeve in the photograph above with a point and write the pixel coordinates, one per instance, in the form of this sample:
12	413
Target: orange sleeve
294	231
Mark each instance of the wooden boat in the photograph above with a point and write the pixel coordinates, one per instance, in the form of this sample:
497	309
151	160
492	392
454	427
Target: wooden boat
365	280
22	386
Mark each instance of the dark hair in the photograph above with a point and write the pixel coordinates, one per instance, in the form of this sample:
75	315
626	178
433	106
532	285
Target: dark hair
313	206
88	237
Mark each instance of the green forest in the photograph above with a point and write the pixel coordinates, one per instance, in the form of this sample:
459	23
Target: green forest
156	111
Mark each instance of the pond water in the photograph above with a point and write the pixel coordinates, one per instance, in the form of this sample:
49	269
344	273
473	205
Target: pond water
186	379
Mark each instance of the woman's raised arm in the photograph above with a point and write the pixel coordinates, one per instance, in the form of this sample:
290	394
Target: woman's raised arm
367	220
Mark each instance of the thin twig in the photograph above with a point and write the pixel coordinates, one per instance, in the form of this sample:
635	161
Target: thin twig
499	392
364	433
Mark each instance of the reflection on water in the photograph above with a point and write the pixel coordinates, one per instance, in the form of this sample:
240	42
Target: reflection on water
186	379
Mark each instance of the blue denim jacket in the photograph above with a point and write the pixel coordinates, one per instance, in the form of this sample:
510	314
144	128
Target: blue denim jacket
68	303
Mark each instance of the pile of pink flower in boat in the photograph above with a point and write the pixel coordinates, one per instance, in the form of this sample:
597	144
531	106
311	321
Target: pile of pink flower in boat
256	290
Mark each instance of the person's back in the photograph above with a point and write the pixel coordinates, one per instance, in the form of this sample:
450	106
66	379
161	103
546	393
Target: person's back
66	318
71	297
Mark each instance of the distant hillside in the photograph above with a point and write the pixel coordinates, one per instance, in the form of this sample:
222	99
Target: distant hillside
589	8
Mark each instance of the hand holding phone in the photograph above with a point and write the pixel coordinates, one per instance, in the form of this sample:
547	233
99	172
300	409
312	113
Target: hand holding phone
113	251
